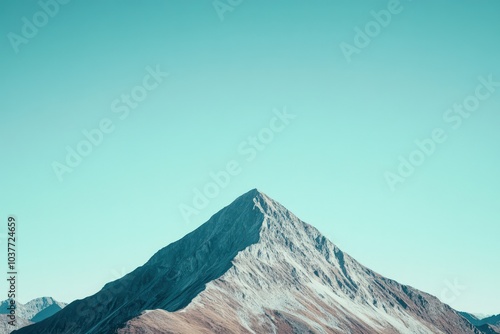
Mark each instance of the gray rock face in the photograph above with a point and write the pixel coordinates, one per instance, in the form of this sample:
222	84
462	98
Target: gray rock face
254	267
33	311
6	328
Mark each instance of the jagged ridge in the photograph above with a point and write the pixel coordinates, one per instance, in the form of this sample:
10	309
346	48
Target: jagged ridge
254	267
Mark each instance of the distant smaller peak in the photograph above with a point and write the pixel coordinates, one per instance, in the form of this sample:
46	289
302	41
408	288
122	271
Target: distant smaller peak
45	299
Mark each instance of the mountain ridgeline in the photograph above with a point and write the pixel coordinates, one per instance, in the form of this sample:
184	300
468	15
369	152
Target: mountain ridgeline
254	267
33	311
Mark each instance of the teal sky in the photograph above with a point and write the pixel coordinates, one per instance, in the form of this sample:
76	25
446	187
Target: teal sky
352	122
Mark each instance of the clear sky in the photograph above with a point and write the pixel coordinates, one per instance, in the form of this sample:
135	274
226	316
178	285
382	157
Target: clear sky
356	102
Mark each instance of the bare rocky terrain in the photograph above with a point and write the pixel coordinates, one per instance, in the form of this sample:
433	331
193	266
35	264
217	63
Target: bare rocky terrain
26	314
254	267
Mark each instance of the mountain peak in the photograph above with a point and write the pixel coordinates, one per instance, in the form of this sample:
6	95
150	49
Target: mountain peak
265	204
250	196
33	311
254	267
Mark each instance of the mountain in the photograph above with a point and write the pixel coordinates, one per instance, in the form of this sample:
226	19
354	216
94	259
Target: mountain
33	311
472	318
254	267
6	328
492	320
490	324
